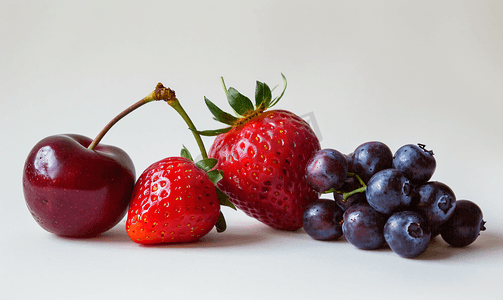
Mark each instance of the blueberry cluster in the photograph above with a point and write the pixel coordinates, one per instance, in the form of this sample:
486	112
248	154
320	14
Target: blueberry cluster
385	199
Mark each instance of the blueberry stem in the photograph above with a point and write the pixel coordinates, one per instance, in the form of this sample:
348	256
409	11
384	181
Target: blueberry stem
345	196
357	177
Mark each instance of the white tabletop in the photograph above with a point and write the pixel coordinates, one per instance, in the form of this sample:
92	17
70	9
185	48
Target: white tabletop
398	72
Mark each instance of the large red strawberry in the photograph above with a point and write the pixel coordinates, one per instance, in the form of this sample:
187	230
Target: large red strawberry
172	201
263	155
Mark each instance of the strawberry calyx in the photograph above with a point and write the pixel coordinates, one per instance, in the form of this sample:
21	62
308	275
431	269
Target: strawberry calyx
242	106
207	165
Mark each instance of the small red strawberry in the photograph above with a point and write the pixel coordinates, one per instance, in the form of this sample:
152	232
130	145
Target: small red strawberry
263	155
172	201
176	200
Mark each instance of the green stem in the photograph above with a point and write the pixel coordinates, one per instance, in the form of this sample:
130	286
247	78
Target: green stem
224	86
357	177
179	109
345	196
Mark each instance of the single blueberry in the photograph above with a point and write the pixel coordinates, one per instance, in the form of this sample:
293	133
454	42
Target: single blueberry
415	162
326	170
389	191
436	202
407	234
363	227
465	224
322	220
370	158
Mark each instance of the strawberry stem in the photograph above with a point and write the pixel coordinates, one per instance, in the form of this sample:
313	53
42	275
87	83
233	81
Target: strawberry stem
179	109
151	97
169	96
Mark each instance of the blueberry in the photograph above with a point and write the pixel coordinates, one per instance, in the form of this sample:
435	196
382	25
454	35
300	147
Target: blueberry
349	160
363	227
389	191
415	162
464	226
370	158
407	234
435	201
322	220
327	169
349	185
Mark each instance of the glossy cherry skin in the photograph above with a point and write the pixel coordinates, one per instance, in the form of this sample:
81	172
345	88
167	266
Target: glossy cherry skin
73	191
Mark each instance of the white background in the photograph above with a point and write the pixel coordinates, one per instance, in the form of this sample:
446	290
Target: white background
395	71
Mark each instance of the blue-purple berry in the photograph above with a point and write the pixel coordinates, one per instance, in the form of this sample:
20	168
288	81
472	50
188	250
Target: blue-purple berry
363	227
436	202
326	170
389	191
415	162
407	234
370	158
465	224
322	220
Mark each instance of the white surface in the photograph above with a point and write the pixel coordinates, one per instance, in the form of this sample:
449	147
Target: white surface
395	71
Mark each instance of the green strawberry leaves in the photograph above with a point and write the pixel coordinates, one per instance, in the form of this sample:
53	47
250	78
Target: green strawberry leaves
276	100
221	225
206	164
224	199
242	106
214	132
239	103
263	95
219	114
185	153
214	175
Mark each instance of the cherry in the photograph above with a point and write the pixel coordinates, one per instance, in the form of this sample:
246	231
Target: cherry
76	187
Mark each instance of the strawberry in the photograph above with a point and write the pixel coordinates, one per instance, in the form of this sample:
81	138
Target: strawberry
263	156
176	200
173	201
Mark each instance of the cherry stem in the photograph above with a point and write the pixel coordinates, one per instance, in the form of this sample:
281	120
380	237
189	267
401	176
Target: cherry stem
173	102
151	97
